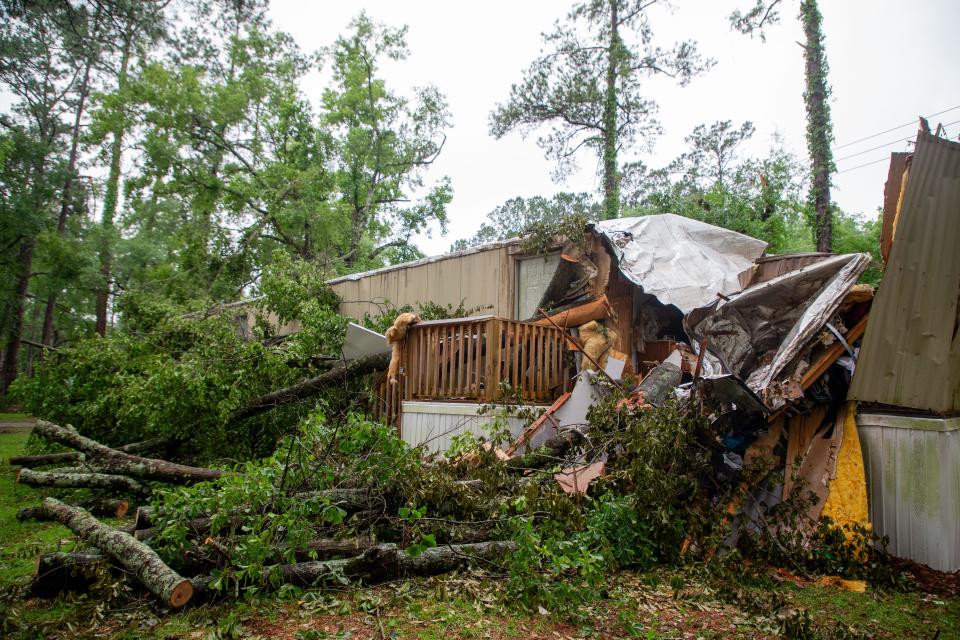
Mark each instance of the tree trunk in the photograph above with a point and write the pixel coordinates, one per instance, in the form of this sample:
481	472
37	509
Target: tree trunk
76	456
11	358
58	572
109	508
110	199
312	386
66	199
46	459
386	562
139	559
104	481
819	128
611	196
125	463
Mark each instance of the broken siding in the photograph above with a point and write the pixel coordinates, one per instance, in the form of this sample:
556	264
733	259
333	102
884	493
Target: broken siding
481	277
910	356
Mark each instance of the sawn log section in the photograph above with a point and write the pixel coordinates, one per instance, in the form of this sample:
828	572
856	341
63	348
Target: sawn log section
137	558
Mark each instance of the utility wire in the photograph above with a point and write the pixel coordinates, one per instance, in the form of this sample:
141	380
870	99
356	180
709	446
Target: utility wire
865	164
860	153
906	124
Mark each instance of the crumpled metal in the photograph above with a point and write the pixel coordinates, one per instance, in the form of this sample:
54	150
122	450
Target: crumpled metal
681	261
757	333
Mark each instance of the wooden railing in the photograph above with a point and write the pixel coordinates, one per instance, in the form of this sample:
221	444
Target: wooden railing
466	359
387	407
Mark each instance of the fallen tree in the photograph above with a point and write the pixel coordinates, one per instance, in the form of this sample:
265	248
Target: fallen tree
312	386
137	558
122	463
384	562
66	457
103	481
111	508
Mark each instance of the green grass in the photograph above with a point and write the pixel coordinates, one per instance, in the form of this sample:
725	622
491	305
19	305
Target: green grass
881	614
13	417
21	542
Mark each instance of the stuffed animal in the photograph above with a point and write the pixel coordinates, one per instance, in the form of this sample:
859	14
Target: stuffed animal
395	336
597	341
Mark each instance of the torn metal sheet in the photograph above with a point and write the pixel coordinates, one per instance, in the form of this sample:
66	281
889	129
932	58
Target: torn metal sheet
681	261
727	389
361	342
757	333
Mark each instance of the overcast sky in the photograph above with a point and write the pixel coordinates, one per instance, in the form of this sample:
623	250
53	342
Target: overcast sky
890	61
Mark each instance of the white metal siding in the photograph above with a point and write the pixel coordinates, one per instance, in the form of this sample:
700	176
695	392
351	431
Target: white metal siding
437	423
913	479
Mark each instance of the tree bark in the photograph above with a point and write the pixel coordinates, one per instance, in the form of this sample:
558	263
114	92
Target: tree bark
611	197
58	572
819	128
110	508
139	559
386	562
46	459
313	386
11	356
66	197
104	481
125	463
76	456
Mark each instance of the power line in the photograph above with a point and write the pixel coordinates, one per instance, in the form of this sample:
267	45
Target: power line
860	153
906	124
865	164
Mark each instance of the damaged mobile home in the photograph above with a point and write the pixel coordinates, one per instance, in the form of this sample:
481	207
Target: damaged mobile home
668	306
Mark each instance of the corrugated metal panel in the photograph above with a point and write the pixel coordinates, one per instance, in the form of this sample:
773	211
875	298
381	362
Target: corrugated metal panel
481	277
911	355
913	479
437	423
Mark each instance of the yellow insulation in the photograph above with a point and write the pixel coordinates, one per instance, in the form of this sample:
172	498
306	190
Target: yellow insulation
847	501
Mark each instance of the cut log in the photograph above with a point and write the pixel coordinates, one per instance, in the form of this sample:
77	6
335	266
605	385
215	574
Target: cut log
46	459
57	572
104	481
106	507
136	557
142	519
125	463
313	386
385	562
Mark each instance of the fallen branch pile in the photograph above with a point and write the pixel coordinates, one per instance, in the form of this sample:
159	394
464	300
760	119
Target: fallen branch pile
209	542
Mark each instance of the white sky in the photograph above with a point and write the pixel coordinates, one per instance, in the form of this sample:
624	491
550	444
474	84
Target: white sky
890	61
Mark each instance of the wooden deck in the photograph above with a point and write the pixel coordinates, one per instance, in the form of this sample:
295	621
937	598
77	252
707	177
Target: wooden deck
467	359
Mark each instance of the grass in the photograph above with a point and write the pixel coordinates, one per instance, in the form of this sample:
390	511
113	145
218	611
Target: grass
13	417
21	542
635	605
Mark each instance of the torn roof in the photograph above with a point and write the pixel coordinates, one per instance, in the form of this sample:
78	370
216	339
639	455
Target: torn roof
681	261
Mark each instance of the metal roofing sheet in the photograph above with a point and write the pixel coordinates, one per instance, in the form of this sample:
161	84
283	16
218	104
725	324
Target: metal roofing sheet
911	351
681	261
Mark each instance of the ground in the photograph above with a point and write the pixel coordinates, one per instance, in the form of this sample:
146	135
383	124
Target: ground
664	604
